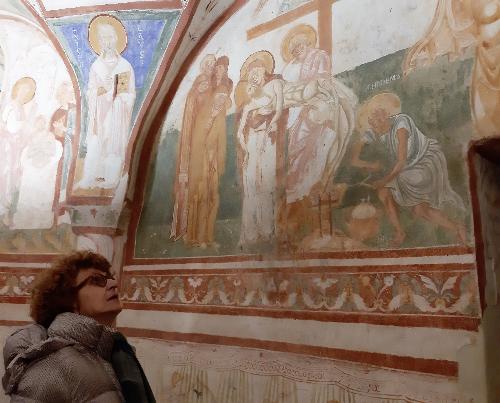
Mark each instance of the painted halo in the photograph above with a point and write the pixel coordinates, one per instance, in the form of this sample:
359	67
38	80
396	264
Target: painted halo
263	56
303	29
24	81
121	33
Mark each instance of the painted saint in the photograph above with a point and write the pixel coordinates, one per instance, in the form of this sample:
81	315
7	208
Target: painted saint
418	176
202	154
319	128
110	101
13	138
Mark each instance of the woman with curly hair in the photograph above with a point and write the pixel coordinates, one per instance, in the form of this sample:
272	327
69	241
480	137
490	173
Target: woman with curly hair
72	353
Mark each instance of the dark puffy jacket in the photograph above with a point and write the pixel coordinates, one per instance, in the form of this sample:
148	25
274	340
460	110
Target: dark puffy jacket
68	362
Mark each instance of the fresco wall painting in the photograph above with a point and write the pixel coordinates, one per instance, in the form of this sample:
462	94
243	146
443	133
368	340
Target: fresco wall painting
115	57
285	164
45	118
37	102
266	150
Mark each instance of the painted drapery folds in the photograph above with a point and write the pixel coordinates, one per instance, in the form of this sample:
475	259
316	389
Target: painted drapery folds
322	146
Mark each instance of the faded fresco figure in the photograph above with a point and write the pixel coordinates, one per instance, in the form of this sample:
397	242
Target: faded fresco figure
194	100
418	176
318	131
189	171
40	160
451	32
61	125
110	99
222	83
457	26
207	65
14	136
259	96
201	154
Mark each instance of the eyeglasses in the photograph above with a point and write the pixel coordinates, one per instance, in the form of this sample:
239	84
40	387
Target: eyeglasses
96	279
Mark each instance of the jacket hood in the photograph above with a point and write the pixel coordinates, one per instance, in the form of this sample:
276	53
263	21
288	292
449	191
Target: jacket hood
33	342
21	340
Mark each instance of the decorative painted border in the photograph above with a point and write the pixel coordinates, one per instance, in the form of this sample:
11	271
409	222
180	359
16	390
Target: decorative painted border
443	296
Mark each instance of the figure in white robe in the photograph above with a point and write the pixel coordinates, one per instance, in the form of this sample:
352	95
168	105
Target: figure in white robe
257	134
318	131
110	100
418	175
13	139
40	160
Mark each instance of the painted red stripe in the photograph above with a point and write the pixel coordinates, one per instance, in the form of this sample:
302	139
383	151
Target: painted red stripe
448	267
425	365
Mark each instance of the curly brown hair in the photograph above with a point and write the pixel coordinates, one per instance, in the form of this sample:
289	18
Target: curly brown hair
54	291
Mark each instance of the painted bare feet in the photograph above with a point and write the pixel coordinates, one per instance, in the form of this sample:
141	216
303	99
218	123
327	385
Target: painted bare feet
398	239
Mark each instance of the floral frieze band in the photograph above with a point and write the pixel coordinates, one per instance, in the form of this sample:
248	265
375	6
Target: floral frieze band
398	292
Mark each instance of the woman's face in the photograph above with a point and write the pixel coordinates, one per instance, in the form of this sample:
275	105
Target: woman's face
203	86
208	66
220	71
101	303
256	76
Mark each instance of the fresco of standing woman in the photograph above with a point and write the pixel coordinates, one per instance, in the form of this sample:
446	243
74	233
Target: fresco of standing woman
259	96
201	155
418	176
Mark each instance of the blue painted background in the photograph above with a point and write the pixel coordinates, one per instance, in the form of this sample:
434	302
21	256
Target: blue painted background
148	34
